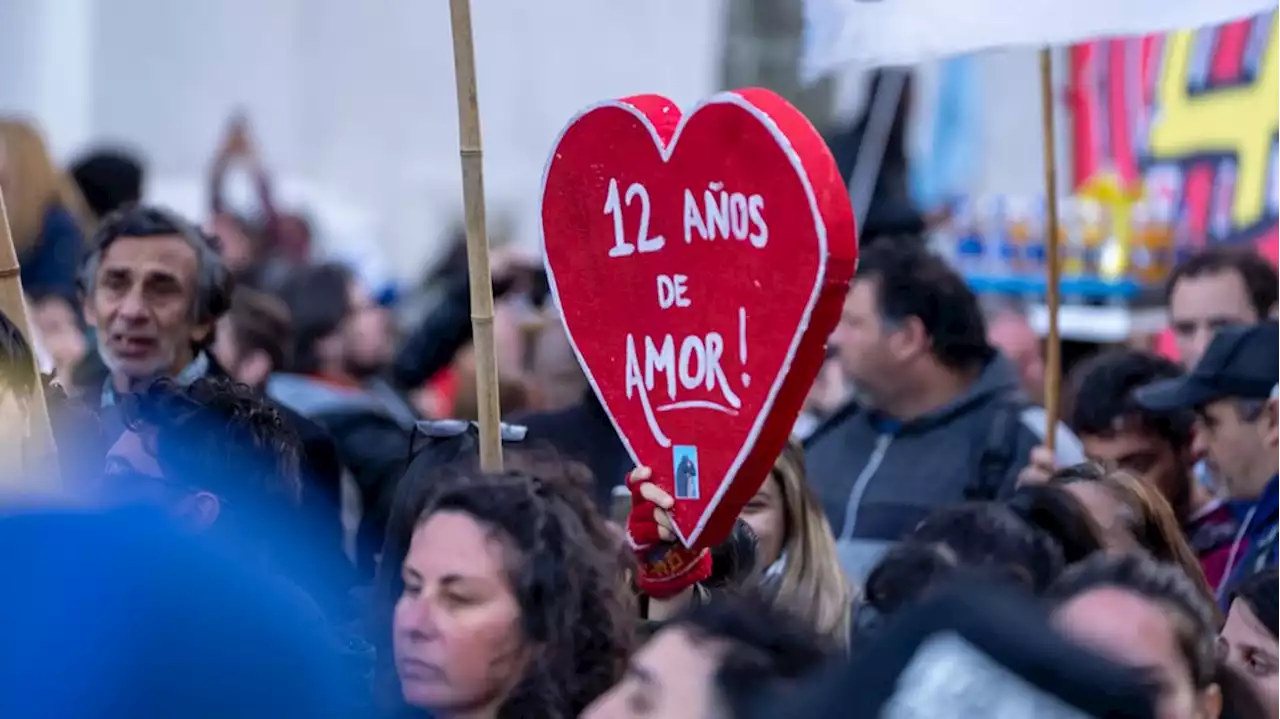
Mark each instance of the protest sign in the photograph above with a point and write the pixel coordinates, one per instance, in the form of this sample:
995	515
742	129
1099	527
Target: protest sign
700	262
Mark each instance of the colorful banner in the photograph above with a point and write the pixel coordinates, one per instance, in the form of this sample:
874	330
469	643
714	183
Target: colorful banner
1192	117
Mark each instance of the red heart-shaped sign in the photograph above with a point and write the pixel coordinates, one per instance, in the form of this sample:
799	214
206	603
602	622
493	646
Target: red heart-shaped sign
699	263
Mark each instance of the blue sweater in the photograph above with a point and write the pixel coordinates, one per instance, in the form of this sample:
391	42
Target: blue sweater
51	265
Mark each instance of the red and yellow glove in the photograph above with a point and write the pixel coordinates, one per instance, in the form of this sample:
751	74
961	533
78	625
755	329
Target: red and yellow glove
667	568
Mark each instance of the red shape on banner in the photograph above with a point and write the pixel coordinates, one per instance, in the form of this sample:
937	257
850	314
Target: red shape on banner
699	263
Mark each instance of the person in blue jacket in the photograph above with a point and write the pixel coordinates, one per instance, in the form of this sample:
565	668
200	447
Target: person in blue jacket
47	216
1232	389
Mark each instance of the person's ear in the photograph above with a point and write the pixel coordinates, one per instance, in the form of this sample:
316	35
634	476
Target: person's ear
1271	424
86	309
201	510
909	340
1209	702
201	332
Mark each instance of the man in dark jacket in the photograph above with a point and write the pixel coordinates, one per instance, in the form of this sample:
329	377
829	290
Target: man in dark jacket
154	286
342	345
937	415
1233	391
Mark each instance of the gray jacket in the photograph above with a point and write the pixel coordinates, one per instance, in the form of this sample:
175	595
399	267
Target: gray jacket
877	478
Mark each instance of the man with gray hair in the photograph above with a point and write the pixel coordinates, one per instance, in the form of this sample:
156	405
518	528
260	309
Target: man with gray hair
153	286
1232	390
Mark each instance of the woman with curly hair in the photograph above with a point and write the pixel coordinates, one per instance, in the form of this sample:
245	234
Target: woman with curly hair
509	595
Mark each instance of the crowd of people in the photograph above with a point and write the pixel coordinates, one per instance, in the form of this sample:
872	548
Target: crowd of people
269	503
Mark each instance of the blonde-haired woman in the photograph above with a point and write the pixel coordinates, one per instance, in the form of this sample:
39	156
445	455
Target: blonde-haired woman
47	216
796	551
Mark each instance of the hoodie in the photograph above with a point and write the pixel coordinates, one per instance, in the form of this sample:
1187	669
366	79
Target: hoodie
878	477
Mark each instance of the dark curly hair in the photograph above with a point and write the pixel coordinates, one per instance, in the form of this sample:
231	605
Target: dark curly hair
1056	512
991	535
979	541
1194	617
220	436
568	579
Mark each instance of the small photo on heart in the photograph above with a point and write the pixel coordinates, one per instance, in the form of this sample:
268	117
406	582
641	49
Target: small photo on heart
684	463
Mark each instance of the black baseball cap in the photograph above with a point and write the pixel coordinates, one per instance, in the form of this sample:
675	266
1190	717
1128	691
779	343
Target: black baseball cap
1241	362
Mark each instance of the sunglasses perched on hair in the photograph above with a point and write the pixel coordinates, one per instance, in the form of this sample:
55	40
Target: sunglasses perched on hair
443	429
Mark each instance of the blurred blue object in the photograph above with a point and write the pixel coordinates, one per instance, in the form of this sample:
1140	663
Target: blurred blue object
944	170
387	295
1085	287
119	614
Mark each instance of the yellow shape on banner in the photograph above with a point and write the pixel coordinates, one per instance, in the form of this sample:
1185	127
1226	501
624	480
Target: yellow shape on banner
1240	120
1107	190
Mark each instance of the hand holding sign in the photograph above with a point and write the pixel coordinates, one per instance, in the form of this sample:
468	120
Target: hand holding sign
664	568
699	263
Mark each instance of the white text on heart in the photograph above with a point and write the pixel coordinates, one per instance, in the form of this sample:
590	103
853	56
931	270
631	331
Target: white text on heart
674	366
729	215
721	215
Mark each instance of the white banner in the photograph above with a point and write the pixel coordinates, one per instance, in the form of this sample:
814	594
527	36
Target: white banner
904	32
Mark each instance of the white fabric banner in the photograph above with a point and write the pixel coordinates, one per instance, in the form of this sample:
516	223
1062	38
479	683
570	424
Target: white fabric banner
904	32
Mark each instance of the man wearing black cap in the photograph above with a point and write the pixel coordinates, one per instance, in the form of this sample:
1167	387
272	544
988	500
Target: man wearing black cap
1233	392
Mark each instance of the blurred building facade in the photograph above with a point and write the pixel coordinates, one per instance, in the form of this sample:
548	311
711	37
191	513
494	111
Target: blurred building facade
354	108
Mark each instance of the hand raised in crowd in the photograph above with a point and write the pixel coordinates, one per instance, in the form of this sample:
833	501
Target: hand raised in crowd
666	567
1040	466
237	142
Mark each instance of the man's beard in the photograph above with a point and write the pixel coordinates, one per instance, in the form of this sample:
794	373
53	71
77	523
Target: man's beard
859	394
138	374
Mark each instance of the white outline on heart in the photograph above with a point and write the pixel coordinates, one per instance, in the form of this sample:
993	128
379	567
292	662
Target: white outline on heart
666	151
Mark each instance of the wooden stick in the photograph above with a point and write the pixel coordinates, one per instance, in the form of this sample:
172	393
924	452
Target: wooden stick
1053	344
469	149
40	451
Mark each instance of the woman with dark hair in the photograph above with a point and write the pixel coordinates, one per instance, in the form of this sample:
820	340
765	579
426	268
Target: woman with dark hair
1149	615
975	539
1133	515
509	594
1062	516
1248	642
987	534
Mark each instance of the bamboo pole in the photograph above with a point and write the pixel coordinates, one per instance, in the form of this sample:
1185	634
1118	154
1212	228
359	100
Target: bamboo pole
40	452
472	156
1053	343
